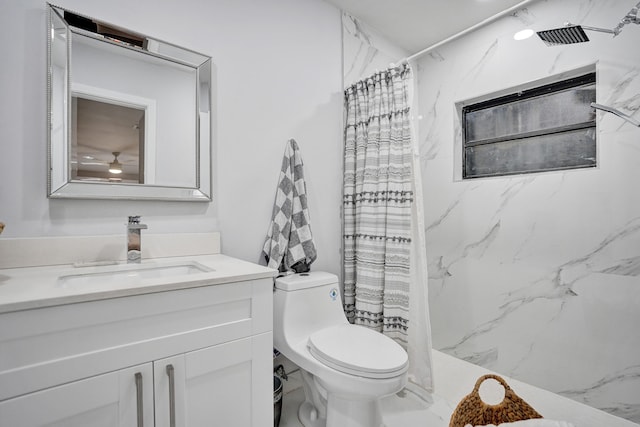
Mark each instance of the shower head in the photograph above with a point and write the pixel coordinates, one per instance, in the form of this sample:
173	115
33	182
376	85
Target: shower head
570	33
566	35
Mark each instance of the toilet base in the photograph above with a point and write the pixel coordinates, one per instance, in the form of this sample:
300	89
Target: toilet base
308	416
324	409
342	414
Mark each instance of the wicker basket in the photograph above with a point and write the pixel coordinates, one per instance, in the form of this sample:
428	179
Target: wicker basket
472	410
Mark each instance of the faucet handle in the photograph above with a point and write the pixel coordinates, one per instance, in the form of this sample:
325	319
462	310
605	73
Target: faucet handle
134	219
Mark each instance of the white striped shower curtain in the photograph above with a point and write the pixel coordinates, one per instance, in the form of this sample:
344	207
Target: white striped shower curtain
378	199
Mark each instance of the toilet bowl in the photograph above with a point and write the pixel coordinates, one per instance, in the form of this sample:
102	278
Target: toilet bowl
346	369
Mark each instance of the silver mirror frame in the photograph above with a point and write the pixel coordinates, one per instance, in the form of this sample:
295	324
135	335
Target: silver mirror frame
59	183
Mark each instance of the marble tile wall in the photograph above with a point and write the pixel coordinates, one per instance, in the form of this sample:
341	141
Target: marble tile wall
537	276
365	51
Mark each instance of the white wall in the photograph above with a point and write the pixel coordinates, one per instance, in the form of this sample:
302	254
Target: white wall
538	276
277	76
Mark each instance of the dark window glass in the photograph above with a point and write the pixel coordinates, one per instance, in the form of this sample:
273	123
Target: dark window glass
550	127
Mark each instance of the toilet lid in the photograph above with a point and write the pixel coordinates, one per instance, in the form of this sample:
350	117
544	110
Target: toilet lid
359	351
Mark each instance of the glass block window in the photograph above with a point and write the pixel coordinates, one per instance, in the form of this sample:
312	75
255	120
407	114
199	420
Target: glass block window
546	128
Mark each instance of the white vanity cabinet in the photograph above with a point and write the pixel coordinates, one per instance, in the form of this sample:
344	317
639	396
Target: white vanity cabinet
207	394
103	400
197	356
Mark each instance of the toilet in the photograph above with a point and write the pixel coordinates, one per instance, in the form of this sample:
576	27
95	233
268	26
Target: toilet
346	369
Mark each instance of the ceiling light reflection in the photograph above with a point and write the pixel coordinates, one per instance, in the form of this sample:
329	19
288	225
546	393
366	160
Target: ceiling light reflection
523	35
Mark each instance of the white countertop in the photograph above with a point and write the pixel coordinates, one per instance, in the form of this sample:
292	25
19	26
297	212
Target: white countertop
36	287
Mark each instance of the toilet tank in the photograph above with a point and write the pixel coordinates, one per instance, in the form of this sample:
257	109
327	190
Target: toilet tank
304	303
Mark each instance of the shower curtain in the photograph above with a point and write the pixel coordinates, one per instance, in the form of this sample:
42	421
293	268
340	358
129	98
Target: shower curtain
385	280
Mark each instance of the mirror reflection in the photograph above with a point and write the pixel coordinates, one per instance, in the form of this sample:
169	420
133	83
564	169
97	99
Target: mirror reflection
109	142
129	115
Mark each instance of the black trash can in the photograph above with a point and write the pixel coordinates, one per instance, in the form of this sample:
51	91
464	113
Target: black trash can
277	400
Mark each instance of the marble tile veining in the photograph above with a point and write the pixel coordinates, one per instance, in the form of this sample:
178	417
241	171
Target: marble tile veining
535	276
365	52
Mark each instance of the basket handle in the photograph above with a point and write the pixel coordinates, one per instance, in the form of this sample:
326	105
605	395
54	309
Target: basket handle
502	382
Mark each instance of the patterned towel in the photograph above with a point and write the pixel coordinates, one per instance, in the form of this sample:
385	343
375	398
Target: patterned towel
289	244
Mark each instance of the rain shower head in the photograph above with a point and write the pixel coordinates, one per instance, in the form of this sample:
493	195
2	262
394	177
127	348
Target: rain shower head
570	33
565	35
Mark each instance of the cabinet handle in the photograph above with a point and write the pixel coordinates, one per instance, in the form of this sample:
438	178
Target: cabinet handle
172	396
139	401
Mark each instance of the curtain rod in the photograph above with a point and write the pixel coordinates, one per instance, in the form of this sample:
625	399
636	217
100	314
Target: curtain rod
468	30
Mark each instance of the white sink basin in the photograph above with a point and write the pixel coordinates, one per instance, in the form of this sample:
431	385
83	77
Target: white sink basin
131	273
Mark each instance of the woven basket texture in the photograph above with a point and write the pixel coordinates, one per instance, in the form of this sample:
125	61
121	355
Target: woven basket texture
472	410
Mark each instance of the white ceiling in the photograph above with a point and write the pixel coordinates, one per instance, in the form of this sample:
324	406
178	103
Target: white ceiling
418	24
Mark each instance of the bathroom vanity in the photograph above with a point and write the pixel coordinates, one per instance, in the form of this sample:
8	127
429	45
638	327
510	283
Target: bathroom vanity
183	341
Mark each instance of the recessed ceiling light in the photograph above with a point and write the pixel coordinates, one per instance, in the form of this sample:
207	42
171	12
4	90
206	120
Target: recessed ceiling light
524	34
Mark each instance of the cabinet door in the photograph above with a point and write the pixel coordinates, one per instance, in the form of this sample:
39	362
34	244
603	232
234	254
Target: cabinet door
228	385
120	398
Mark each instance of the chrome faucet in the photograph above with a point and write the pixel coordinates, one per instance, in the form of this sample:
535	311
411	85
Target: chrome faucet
134	241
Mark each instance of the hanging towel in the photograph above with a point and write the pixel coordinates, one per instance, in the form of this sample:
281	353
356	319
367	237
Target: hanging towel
289	244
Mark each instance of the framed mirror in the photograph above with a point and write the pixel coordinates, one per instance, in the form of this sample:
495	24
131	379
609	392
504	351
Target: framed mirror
129	116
